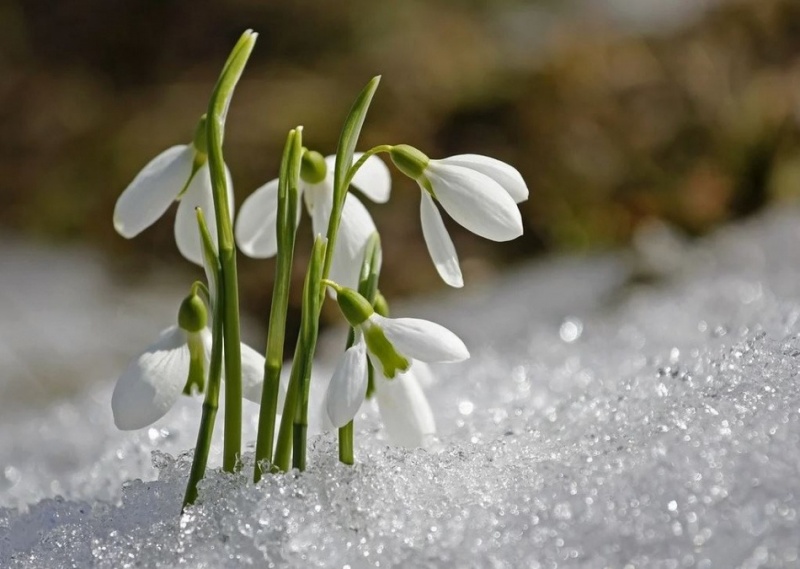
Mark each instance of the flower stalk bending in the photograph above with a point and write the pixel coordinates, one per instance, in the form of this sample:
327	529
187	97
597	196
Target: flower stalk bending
217	113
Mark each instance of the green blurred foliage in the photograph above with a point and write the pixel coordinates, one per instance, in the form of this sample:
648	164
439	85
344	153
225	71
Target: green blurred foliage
694	124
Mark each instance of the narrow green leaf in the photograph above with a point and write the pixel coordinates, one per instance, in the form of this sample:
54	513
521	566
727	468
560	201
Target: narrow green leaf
344	161
351	131
312	299
273	363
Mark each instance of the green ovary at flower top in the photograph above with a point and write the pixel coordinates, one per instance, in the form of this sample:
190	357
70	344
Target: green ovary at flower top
479	192
391	344
179	173
257	220
155	378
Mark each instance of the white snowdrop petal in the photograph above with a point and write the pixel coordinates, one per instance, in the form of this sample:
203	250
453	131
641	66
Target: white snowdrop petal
440	246
152	382
373	179
319	201
355	228
405	411
475	201
256	224
198	194
208	341
252	374
504	174
152	191
348	386
422	340
423	373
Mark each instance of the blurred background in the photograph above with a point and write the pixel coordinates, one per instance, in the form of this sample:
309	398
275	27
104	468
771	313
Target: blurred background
618	113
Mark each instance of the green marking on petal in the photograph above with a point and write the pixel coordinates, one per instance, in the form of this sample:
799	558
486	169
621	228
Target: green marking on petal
380	347
195	382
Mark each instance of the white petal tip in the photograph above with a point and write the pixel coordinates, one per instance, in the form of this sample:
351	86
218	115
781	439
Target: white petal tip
453	280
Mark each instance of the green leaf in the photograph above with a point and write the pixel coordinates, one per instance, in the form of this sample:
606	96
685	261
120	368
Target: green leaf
312	294
229	77
288	181
287	208
344	161
349	136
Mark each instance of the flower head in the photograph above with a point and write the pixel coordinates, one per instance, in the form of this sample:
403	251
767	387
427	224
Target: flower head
179	173
479	192
391	344
256	225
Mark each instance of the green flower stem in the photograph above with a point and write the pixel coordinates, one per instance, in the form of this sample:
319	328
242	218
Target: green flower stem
287	220
211	401
283	449
217	112
312	301
368	288
209	414
371	152
346	445
346	452
294	420
342	171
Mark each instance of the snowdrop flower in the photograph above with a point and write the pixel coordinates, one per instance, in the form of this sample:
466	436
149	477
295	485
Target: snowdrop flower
404	409
256	225
390	343
479	192
177	362
179	173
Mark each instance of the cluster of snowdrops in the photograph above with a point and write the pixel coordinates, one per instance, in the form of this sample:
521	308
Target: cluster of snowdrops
385	357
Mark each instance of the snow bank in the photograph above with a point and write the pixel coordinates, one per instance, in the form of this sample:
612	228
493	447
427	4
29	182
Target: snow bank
598	424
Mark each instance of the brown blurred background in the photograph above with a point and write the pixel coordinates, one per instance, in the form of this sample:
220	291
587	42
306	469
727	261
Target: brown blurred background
617	112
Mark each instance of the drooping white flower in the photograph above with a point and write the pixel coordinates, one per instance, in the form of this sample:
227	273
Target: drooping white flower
179	173
404	409
256	225
155	378
479	192
391	344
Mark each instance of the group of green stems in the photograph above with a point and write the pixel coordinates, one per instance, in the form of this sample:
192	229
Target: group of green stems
290	449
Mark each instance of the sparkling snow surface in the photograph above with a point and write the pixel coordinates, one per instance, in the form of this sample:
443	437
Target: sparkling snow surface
598	424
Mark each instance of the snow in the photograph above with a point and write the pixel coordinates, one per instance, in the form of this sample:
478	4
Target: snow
603	421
